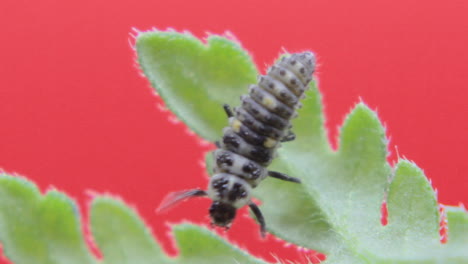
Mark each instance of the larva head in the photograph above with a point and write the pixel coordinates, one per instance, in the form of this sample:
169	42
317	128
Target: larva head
222	214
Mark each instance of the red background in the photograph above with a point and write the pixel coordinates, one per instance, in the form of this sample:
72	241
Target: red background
75	114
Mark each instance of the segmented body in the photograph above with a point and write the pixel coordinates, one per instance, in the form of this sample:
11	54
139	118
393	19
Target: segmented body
256	129
249	143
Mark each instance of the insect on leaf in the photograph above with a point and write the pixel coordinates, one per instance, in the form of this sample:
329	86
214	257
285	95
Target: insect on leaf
337	208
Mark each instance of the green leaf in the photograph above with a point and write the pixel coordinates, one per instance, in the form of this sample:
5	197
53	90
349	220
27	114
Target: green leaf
123	238
196	79
39	229
198	245
337	209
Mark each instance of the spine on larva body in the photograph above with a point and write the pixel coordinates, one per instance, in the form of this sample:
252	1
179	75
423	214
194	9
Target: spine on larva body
257	127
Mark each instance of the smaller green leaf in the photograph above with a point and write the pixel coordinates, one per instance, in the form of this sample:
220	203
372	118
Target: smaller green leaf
198	245
121	235
124	239
39	229
46	229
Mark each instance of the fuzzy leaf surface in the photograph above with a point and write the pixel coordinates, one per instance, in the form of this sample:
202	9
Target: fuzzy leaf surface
124	239
337	208
46	229
39	229
196	79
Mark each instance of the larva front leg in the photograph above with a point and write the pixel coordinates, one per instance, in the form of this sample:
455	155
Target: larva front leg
258	214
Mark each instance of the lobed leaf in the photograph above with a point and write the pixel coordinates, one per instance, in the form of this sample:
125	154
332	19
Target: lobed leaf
337	209
124	239
46	229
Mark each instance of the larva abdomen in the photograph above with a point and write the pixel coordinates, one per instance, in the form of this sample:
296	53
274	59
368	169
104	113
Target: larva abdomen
267	110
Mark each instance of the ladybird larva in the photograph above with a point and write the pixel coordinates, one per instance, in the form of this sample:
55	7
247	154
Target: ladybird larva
249	143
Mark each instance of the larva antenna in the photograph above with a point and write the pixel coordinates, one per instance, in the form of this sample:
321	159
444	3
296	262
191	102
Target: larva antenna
174	198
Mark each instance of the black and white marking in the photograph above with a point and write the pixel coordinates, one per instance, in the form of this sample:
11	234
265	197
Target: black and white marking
249	143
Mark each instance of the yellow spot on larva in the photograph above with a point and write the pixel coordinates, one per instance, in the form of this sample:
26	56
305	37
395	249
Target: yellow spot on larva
269	102
269	143
236	124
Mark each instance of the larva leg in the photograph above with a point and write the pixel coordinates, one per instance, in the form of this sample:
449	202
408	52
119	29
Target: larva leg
289	137
228	110
283	176
258	214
